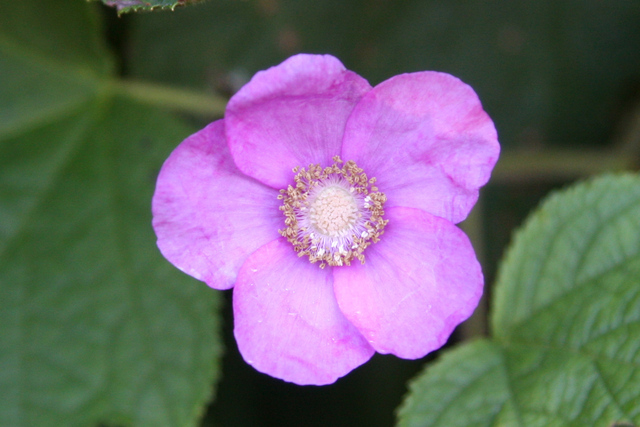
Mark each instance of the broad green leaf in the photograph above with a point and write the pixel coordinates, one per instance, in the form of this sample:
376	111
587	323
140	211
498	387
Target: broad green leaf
566	324
466	387
96	326
124	6
51	60
63	35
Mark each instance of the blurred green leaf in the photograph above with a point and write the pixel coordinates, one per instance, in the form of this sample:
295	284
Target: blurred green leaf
548	72
124	6
52	61
566	323
96	326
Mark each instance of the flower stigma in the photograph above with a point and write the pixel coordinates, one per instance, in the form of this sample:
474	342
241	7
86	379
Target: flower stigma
332	214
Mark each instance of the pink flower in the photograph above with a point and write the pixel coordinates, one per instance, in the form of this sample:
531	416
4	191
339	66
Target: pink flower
279	188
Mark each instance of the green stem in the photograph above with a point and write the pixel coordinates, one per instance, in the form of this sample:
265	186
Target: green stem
513	166
554	164
183	100
624	154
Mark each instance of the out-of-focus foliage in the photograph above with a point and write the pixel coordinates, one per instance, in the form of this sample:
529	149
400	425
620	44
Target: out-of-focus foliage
95	325
566	323
549	71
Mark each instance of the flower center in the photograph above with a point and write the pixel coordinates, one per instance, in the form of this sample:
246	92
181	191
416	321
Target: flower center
332	214
333	211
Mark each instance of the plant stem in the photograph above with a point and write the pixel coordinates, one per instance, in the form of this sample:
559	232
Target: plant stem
183	100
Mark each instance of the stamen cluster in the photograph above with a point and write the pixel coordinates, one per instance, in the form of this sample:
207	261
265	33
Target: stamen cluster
332	214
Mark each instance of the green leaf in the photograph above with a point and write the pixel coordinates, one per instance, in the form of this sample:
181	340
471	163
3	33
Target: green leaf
566	324
51	60
125	6
96	326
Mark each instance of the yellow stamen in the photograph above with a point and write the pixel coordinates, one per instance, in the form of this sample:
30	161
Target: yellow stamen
332	214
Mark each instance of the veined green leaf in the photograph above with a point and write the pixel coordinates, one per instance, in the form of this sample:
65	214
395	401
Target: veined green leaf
566	323
96	326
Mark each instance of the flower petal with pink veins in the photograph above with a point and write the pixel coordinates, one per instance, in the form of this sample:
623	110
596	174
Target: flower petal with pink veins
419	282
427	140
291	115
286	320
207	215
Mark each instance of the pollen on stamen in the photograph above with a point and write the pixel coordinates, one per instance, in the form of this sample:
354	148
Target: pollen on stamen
332	214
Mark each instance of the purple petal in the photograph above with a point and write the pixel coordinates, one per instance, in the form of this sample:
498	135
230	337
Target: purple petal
291	115
427	140
207	215
419	282
287	321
